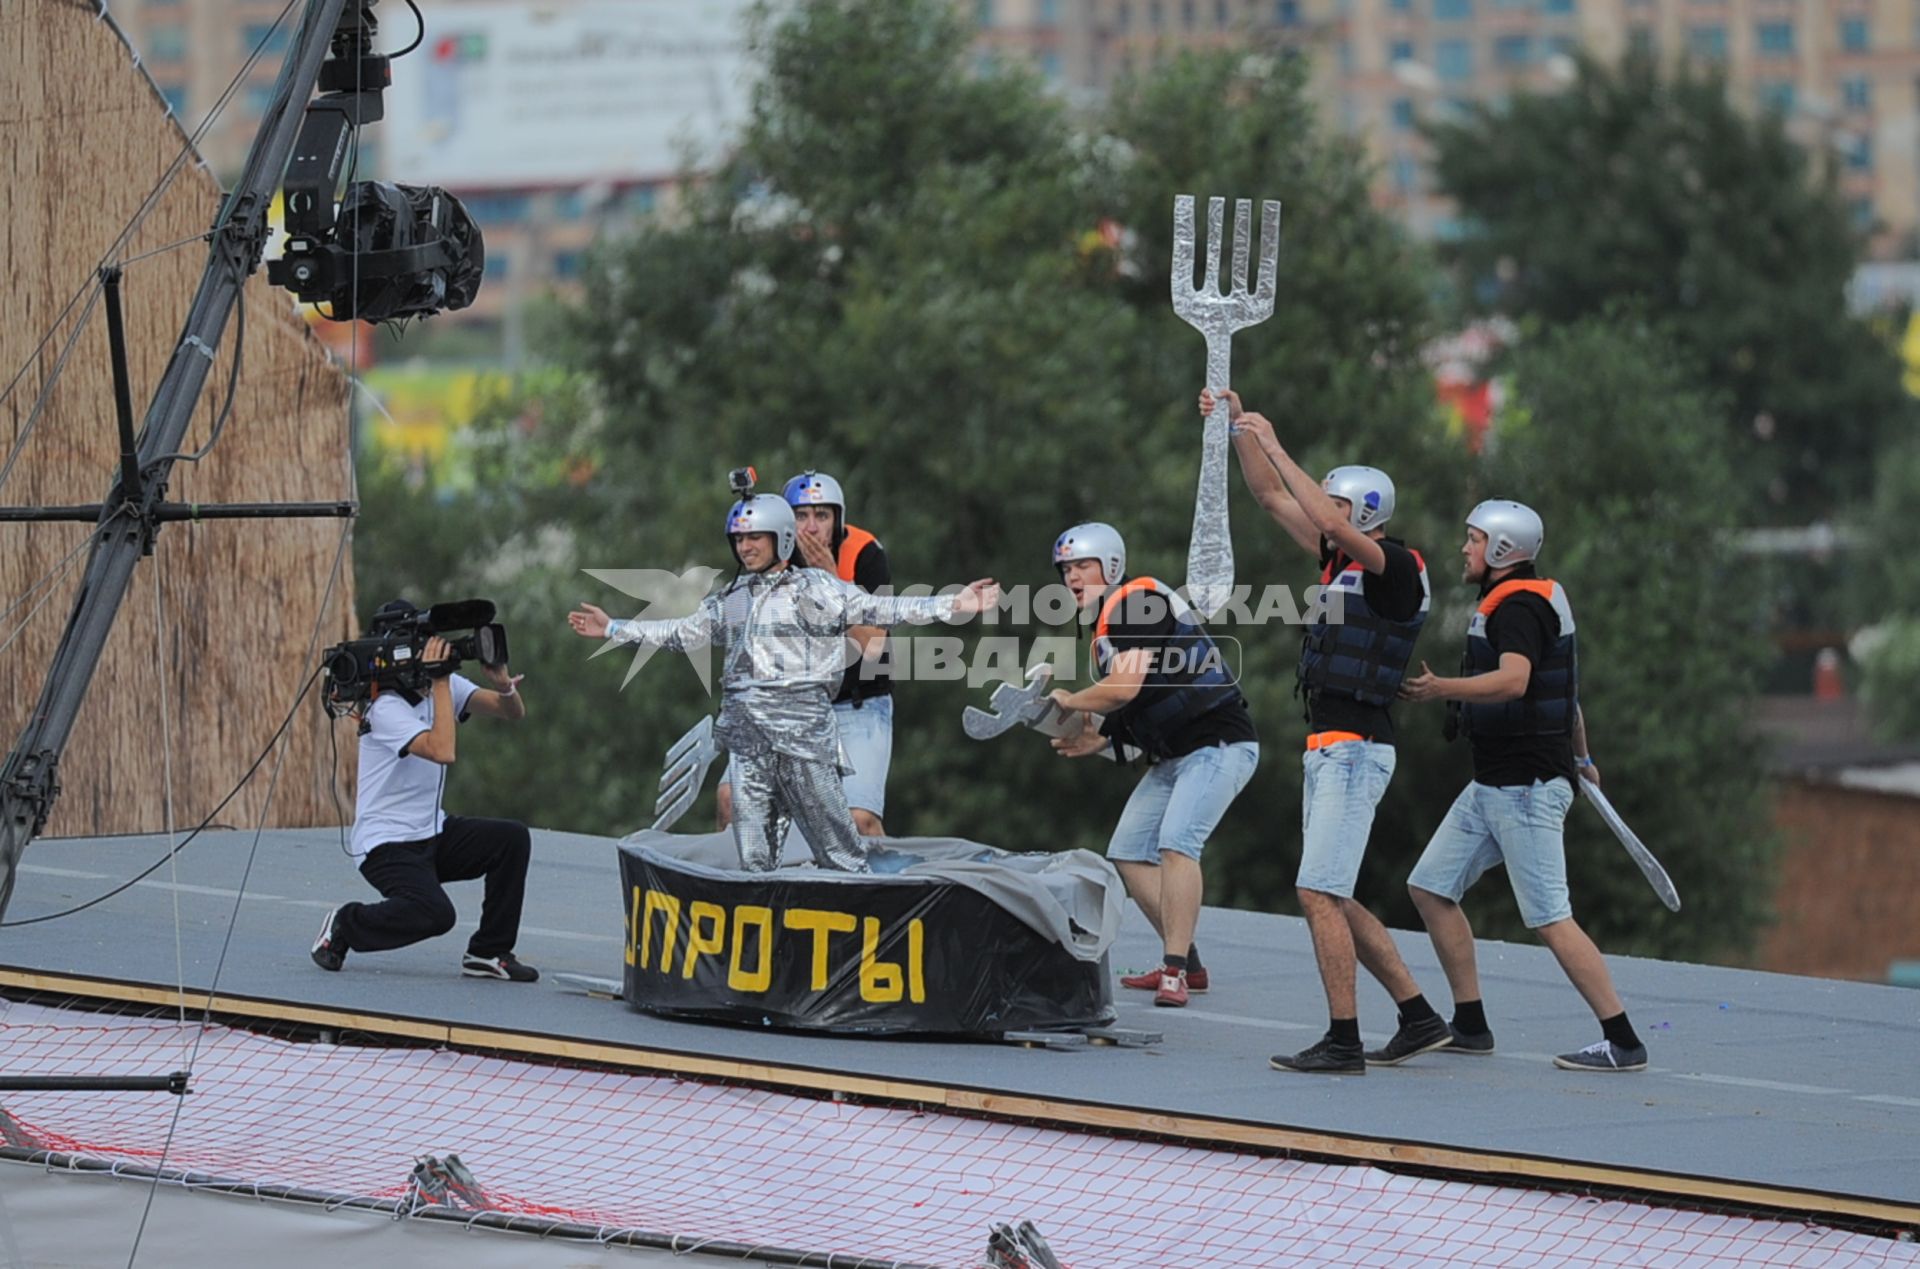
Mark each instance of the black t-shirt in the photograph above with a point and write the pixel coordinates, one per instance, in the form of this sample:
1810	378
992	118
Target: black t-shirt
1395	594
1524	623
1145	619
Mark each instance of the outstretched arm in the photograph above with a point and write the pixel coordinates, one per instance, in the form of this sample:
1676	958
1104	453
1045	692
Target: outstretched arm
679	634
862	608
1263	480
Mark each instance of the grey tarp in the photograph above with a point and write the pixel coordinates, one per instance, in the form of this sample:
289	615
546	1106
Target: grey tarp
1072	897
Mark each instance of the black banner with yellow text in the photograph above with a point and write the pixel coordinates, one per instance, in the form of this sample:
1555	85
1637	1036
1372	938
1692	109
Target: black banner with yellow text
873	955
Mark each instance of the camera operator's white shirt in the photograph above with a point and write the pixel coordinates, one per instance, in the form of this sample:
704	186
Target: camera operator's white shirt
399	797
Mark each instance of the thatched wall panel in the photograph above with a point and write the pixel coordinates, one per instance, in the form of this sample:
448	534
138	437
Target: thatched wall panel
88	138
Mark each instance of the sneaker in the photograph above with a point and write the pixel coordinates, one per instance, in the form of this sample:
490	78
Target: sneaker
1604	1055
1172	993
1324	1058
504	966
330	948
1478	1043
1411	1040
1149	980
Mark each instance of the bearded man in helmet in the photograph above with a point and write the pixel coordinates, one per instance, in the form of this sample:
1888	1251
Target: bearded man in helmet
863	705
782	633
1165	690
1518	700
1350	671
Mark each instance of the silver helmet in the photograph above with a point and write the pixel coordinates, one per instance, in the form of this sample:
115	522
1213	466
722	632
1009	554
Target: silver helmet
1368	491
814	489
1093	541
1514	531
763	513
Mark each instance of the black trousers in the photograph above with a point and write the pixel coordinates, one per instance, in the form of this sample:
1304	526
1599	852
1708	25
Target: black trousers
415	907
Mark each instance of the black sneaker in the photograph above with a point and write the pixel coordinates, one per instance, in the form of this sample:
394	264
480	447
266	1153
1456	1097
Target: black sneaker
1411	1040
1478	1043
1325	1058
330	948
1604	1055
504	966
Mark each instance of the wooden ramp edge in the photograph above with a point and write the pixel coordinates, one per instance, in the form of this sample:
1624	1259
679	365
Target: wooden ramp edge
1200	1130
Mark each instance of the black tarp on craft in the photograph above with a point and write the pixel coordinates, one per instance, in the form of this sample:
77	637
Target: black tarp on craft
945	937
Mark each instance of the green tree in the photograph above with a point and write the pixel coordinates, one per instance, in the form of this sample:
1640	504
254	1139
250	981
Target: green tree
1888	595
900	278
1642	187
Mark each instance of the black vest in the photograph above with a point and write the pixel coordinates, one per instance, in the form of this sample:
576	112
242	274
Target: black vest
1554	688
1188	676
1363	655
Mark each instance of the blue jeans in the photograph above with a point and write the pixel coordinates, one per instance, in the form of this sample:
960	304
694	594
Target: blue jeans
1520	827
1179	802
1342	785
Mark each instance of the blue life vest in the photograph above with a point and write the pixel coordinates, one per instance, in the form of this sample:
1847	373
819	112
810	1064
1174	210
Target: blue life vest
1553	689
1363	655
1188	676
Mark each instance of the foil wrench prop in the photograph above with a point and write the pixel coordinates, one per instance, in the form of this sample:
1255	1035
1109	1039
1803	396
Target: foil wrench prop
1649	866
1029	706
685	773
1217	315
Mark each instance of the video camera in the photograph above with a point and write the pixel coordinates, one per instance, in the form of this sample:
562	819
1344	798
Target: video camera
390	656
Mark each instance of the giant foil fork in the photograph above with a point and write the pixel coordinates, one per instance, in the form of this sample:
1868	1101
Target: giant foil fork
1216	316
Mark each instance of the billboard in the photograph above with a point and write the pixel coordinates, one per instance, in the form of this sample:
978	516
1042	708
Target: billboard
527	94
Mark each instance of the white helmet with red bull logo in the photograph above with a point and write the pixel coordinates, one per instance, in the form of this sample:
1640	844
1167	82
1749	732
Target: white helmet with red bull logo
1093	541
763	513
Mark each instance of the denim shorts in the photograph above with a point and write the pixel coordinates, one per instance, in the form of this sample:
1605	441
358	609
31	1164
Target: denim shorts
1342	784
1518	826
866	741
866	738
1179	802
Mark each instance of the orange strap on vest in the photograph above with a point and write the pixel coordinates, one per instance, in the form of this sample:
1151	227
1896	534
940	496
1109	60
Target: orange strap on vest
1112	602
855	541
1514	586
1321	739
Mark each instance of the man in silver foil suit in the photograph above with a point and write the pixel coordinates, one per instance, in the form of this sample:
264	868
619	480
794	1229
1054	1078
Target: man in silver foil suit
782	631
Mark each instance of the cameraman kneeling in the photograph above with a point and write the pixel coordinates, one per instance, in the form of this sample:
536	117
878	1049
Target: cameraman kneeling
407	847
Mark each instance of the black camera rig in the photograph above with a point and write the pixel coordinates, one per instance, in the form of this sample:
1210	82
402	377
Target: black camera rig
387	251
392	655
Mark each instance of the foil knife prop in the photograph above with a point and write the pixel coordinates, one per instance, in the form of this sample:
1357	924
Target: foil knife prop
685	774
1649	866
1029	706
1217	316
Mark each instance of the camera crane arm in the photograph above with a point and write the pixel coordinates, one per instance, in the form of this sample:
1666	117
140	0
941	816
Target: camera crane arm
129	518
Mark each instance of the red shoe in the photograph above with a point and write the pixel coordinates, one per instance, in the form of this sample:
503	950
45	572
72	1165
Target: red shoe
1149	980
1173	989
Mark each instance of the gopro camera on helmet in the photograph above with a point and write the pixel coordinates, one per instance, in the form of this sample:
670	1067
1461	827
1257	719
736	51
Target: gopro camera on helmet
741	480
391	656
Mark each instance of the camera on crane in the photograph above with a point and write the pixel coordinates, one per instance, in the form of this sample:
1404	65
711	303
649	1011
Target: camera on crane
387	252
